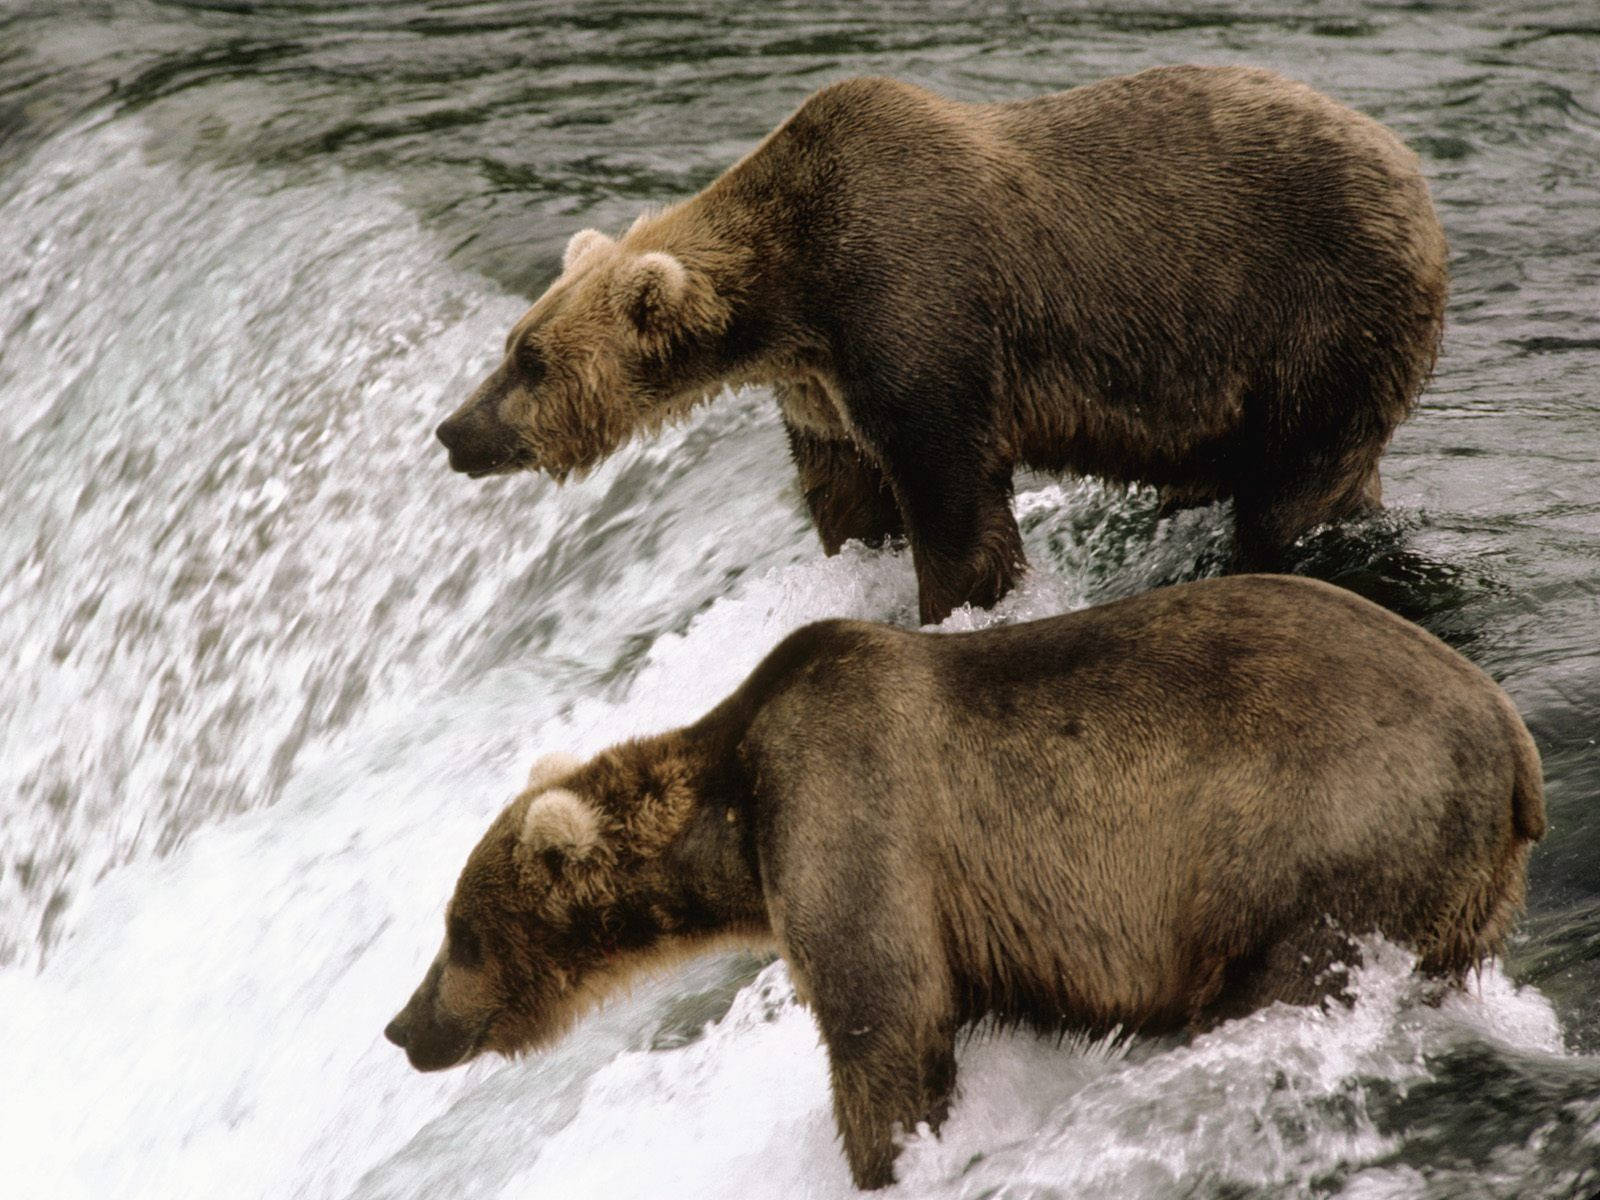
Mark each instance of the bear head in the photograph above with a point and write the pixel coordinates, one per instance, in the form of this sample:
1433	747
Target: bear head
627	337
557	905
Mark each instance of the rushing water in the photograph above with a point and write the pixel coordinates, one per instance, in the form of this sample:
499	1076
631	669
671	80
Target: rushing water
267	667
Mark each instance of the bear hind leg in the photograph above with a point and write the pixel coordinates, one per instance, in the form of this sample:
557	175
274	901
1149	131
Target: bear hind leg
1268	520
1302	969
1473	928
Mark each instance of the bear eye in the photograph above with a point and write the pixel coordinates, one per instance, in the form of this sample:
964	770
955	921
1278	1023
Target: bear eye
530	361
465	949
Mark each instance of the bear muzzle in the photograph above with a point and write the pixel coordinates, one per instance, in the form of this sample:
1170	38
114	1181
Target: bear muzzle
479	445
429	1052
433	1043
435	1047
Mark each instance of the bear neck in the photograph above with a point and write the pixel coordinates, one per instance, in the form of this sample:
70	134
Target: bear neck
728	234
682	811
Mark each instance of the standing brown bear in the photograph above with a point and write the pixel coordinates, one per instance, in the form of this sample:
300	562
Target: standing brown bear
1155	814
1211	279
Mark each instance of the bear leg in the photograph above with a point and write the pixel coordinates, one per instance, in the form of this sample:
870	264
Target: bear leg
1262	537
964	541
1268	520
1300	968
846	493
885	1004
888	1077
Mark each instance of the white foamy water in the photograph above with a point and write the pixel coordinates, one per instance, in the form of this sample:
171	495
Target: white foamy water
227	528
1273	1101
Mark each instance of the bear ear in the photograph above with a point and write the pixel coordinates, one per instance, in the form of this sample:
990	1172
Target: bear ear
580	244
558	825
652	290
550	769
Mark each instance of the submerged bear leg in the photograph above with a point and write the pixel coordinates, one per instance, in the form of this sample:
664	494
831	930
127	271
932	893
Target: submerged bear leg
1304	961
964	541
1269	518
846	493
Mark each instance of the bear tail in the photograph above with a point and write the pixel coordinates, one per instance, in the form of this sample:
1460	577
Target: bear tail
1527	788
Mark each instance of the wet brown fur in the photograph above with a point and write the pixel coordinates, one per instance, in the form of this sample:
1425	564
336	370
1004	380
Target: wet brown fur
1152	815
1214	280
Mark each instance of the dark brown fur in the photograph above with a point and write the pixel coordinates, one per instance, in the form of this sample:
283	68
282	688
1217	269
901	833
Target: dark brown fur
1214	280
1152	815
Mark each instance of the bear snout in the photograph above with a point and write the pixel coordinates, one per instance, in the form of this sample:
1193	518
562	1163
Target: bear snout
402	1030
431	1038
478	446
430	1044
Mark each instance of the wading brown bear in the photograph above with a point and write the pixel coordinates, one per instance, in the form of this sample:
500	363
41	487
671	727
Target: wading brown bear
1210	279
1152	815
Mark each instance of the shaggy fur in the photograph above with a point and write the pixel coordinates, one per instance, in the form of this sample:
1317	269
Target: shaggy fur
549	770
559	822
1152	815
1211	279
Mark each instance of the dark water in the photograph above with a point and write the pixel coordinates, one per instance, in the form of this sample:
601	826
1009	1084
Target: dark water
266	666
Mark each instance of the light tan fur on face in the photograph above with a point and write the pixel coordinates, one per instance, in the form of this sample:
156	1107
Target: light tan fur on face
602	330
579	997
463	992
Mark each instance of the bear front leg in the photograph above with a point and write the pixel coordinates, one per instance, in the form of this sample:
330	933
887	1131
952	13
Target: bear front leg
888	1077
873	971
964	541
846	493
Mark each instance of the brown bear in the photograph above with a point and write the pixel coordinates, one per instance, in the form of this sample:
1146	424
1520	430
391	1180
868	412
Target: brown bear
1151	815
1210	279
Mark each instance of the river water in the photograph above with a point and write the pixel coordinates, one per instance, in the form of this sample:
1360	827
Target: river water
267	668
